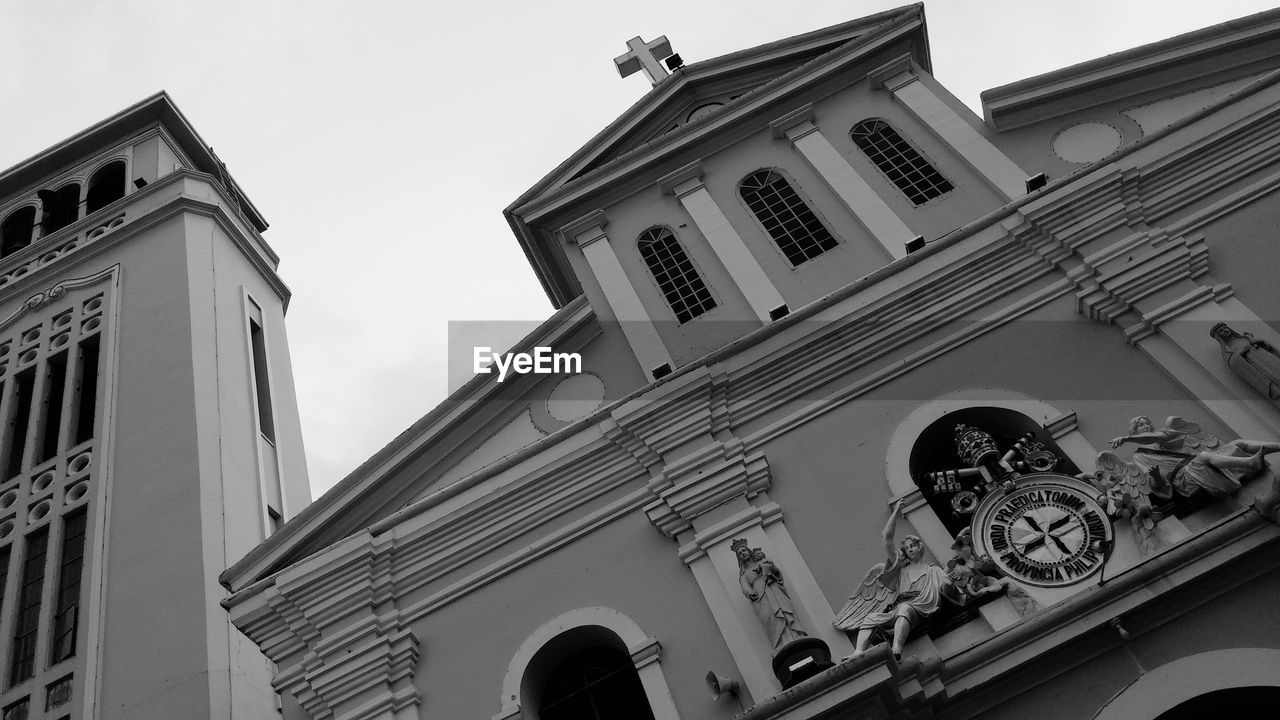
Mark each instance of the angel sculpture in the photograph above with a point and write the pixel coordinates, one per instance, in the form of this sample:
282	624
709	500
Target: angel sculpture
1178	458
897	593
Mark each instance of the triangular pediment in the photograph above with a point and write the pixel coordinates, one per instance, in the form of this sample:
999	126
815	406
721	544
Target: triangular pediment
702	91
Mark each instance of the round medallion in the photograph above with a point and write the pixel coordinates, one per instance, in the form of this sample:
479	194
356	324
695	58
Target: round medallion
1048	531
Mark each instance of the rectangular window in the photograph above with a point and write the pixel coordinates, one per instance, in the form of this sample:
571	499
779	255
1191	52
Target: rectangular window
67	609
266	420
58	693
18	421
4	572
51	406
86	390
26	629
20	710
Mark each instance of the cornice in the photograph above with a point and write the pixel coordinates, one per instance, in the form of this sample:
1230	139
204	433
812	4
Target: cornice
37	263
156	109
1011	99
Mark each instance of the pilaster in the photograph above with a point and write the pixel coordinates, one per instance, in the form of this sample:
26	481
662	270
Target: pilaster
588	232
686	184
715	568
899	78
881	222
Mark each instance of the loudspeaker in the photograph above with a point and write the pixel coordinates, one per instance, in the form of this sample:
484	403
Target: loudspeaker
719	685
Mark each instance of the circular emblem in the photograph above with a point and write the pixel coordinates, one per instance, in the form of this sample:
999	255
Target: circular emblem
1048	531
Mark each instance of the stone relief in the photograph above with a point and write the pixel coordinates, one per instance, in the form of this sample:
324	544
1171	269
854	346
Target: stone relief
1177	459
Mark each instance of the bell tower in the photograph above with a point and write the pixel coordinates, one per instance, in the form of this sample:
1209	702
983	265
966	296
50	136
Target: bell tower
149	433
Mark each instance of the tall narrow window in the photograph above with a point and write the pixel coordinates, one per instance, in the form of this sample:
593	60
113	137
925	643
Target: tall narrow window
901	163
19	419
66	611
675	274
51	406
26	629
266	419
105	187
793	226
16	231
61	207
4	573
85	400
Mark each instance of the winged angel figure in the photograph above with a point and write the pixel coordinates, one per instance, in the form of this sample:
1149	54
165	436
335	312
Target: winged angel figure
1177	458
897	593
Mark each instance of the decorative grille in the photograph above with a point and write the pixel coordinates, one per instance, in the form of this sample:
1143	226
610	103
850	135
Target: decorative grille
49	386
675	274
797	231
901	163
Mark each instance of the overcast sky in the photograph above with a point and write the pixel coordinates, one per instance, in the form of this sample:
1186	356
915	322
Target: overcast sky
381	140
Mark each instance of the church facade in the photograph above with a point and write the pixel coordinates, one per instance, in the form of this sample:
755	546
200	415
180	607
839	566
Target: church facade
887	410
884	410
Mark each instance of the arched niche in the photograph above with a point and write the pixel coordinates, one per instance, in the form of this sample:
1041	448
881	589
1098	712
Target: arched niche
933	419
1164	688
1061	428
557	640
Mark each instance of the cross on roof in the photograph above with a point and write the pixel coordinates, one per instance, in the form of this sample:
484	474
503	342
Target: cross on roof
645	56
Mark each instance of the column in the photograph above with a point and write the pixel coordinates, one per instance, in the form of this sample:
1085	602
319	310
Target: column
686	184
883	223
637	326
900	79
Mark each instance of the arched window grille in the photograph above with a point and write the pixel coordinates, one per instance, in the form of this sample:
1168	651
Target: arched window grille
901	163
675	274
793	226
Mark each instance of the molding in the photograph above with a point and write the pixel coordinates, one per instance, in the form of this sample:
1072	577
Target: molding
893	75
1165	687
668	183
591	226
374	669
781	128
41	299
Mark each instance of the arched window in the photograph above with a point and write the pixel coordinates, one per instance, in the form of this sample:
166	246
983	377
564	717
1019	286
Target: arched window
15	232
61	207
901	163
590	663
793	226
585	673
675	274
105	187
598	683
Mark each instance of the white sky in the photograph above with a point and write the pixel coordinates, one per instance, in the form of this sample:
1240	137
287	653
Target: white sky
382	140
